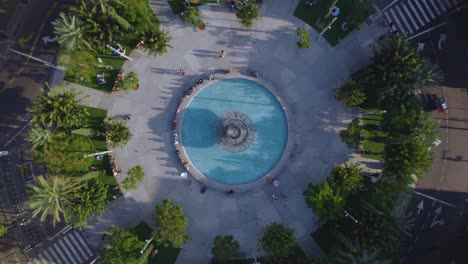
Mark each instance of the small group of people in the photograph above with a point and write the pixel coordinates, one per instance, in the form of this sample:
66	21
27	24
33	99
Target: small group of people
114	167
198	83
120	75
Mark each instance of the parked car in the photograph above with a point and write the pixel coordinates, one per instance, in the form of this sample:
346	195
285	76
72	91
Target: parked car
440	101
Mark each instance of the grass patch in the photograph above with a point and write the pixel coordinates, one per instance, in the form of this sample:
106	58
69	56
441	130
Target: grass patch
348	13
166	255
113	62
96	121
374	139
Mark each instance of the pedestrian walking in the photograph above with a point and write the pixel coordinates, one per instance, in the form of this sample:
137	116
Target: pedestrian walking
182	72
221	54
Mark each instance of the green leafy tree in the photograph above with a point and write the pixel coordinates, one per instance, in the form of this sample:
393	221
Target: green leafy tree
347	179
128	82
278	240
248	14
138	13
170	224
326	202
52	195
65	154
60	108
117	132
192	15
351	93
398	66
403	111
156	41
91	199
122	247
3	230
408	160
135	175
304	39
352	135
225	247
70	32
81	68
39	135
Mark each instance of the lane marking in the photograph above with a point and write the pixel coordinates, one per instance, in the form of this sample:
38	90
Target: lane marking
24	40
434	199
36	39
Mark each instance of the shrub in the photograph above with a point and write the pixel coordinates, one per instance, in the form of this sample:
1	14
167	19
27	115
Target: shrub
135	174
304	39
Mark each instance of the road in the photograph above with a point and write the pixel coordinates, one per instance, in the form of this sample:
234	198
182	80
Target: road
441	225
20	81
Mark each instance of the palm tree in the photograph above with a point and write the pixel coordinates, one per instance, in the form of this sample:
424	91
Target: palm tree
354	252
70	32
363	256
53	195
156	41
428	74
102	26
39	135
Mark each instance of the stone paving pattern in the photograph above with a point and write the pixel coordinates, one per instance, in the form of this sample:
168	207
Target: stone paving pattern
303	79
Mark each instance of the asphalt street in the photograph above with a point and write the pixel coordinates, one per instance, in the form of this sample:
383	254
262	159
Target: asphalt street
440	199
20	81
21	78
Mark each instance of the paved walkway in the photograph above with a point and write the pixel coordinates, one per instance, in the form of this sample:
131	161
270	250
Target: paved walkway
304	80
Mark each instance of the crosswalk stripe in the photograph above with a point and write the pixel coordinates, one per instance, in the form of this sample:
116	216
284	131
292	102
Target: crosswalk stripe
76	254
436	9
422	11
400	27
403	18
448	4
415	13
416	27
48	257
67	251
57	248
77	245
441	4
428	9
40	259
55	258
83	243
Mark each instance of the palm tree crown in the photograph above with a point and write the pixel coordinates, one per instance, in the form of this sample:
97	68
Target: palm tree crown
54	195
70	33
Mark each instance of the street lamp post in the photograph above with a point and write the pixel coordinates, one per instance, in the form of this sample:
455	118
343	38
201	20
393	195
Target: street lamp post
327	27
148	241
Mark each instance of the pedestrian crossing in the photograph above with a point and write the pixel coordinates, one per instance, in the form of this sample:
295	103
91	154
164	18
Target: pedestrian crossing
410	16
70	249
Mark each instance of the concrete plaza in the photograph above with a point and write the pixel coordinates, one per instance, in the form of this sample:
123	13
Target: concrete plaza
302	79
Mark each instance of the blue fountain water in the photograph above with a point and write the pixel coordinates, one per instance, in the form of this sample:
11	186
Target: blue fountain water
199	131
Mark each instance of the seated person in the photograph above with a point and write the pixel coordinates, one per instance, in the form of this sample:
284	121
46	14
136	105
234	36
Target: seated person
100	78
254	74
